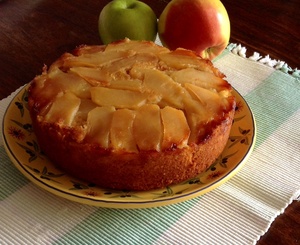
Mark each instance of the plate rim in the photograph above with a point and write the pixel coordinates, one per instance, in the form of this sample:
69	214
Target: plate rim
127	204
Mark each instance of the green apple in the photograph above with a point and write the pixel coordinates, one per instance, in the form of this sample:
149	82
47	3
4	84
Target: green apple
127	18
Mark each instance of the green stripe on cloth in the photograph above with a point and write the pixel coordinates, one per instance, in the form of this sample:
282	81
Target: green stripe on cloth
139	226
273	102
9	185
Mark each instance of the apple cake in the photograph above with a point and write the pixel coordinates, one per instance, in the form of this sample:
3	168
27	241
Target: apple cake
131	115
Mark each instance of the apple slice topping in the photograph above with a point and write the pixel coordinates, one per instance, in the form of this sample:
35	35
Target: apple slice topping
88	49
118	98
58	81
99	124
209	99
196	115
181	58
127	84
121	131
63	109
85	107
124	65
199	78
147	128
176	129
161	84
95	77
94	59
138	47
133	96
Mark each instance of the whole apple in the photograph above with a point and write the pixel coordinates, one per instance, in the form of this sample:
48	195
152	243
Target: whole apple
199	25
127	18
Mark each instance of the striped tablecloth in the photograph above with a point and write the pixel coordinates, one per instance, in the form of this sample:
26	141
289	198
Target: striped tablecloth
237	212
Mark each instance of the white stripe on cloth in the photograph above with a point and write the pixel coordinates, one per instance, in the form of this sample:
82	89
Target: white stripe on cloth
242	76
243	208
40	218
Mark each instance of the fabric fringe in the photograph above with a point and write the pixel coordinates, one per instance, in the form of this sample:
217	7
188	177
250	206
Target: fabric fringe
297	196
276	64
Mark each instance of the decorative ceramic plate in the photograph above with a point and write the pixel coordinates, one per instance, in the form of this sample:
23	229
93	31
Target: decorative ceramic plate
22	147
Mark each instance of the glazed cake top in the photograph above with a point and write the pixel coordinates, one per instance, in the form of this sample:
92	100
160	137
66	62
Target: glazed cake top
132	96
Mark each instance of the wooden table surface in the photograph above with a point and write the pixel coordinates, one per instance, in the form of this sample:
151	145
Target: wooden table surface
36	32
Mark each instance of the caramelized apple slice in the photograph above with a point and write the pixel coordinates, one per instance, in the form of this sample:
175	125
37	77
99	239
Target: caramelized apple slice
95	60
121	131
63	109
182	58
88	49
161	84
147	128
196	115
85	107
209	99
175	127
95	77
199	78
117	97
123	65
139	47
62	81
127	84
107	77
98	125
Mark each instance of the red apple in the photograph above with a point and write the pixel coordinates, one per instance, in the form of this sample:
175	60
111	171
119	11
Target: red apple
199	25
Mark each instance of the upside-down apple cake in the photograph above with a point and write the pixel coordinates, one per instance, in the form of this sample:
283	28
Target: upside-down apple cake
131	115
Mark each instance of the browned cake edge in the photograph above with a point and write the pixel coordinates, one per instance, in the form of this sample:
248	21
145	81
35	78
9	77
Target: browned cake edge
131	171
